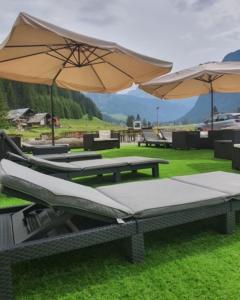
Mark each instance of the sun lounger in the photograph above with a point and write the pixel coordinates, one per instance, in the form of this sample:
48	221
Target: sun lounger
151	138
9	145
66	216
75	169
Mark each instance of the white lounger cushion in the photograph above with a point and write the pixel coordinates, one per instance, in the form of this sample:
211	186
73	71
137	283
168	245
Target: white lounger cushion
155	197
225	182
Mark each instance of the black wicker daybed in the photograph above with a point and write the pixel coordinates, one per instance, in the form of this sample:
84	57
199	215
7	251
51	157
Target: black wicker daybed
66	216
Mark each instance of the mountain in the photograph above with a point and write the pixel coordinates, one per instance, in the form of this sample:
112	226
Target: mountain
67	104
225	102
138	102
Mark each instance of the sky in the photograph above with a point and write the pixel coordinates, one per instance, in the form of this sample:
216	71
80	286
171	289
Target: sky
185	32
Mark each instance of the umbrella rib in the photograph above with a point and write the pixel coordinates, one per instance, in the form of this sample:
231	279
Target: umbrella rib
85	65
79	57
38	45
69	46
63	65
125	73
60	59
28	55
95	72
75	58
99	57
119	69
90	53
63	56
163	96
209	81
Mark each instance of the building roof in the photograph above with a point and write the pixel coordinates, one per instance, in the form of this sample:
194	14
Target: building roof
38	117
17	113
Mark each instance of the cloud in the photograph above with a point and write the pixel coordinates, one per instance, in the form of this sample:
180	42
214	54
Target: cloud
232	34
101	12
194	5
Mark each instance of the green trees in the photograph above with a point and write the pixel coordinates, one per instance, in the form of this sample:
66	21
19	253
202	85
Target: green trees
215	110
130	120
67	104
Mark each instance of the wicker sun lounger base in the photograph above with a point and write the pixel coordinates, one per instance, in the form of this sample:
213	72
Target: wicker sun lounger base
66	216
132	232
157	143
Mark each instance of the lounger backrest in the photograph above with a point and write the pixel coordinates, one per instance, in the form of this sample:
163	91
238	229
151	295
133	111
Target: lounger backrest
51	165
59	193
104	134
167	135
7	144
149	134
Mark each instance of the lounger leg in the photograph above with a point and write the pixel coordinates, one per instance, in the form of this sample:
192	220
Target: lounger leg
134	246
134	172
155	171
6	291
117	177
229	222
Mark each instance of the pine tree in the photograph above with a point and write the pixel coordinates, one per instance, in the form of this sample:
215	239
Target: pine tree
144	122
130	120
215	110
67	104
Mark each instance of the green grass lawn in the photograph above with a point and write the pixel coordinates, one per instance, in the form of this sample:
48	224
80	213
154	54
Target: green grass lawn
193	261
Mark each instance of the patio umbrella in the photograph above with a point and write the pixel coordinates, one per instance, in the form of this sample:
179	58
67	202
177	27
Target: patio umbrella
222	77
39	52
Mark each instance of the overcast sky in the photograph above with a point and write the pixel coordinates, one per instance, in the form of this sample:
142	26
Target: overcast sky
186	32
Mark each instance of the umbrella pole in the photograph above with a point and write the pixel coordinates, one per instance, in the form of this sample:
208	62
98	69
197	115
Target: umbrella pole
212	112
52	117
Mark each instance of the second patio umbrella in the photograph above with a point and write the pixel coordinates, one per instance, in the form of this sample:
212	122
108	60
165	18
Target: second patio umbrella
222	77
39	52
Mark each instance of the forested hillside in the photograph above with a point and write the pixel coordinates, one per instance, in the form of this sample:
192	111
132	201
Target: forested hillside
67	104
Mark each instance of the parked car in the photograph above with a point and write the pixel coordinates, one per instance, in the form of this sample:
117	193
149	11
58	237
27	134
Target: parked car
221	121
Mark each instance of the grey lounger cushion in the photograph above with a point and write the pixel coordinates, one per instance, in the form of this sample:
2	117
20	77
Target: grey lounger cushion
225	182
155	197
91	164
45	146
60	193
70	156
140	199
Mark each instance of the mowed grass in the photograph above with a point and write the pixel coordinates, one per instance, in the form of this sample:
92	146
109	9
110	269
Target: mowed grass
193	261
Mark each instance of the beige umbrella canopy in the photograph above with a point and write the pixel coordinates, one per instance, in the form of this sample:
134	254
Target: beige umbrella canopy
39	52
222	77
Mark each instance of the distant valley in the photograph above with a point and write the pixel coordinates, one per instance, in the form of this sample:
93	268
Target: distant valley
119	106
116	107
